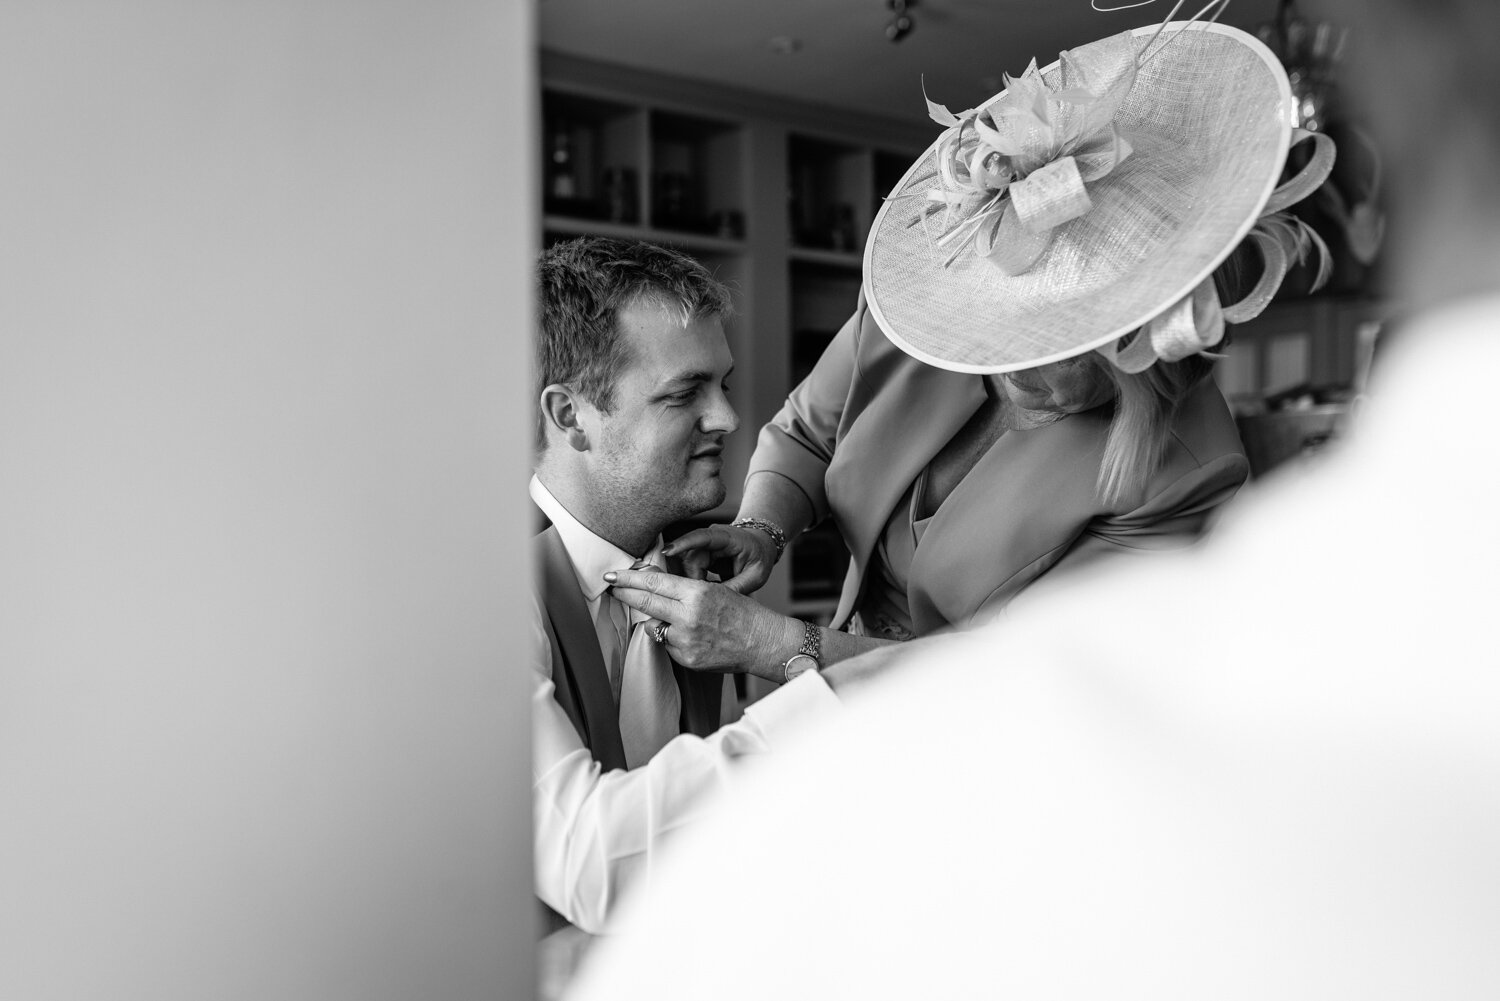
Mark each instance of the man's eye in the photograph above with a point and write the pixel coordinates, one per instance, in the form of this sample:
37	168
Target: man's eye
686	396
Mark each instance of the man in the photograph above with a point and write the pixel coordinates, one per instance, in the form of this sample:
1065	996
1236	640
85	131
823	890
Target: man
632	412
1269	768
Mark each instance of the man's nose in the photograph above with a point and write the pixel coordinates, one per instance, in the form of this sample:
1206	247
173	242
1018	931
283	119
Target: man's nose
721	417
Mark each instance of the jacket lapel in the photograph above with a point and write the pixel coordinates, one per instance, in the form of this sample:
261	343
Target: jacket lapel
913	411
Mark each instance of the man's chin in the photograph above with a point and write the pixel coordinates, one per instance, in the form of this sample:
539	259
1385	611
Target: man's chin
717	493
706	496
693	497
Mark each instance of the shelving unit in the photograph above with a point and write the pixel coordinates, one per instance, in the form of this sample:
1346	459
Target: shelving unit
632	170
828	193
592	150
1296	341
697	175
835	191
774	196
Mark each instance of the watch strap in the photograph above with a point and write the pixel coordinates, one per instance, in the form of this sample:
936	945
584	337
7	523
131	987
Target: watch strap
811	649
812	642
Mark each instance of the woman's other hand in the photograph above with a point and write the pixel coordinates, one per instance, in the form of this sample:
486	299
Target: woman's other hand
744	557
710	627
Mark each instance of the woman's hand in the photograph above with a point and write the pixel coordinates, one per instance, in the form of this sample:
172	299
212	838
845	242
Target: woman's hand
748	555
710	627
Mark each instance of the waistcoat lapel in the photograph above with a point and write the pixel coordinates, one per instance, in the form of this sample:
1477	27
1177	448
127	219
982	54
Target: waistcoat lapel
579	677
702	693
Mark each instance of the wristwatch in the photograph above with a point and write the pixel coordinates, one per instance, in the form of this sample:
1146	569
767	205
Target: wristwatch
809	657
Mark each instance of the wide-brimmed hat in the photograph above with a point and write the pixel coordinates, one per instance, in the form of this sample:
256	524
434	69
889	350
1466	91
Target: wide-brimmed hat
1092	199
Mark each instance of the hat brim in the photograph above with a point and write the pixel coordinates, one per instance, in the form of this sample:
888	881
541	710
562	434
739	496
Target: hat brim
1209	121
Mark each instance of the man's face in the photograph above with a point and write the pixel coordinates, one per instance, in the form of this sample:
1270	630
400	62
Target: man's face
657	454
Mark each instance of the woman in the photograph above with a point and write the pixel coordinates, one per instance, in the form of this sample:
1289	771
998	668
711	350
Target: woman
1022	390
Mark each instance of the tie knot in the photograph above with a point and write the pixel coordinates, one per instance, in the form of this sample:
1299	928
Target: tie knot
645	565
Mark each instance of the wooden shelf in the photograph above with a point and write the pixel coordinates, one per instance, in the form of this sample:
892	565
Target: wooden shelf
847	259
813	608
575	226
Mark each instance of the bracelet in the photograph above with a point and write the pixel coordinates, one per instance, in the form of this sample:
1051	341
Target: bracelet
772	530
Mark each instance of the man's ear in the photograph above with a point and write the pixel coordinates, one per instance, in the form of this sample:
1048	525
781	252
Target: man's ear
562	412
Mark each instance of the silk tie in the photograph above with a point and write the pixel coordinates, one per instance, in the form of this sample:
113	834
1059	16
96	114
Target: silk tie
613	629
650	703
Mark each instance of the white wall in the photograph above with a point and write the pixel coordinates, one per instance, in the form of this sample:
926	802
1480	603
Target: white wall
263	322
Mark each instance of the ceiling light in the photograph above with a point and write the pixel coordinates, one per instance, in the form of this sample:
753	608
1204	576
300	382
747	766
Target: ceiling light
900	25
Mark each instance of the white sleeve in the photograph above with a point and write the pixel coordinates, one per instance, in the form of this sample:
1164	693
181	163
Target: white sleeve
596	831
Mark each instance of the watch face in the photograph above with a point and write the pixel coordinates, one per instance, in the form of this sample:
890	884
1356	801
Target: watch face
799	663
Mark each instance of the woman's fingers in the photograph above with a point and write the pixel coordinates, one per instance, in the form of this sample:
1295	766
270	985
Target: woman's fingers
652	581
653	605
654	592
709	540
744	555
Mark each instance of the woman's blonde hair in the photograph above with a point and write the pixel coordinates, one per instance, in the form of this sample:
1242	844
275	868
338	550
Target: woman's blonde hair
1146	404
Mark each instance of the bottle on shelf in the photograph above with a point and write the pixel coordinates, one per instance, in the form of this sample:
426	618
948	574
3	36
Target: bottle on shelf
620	195
841	234
562	178
673	200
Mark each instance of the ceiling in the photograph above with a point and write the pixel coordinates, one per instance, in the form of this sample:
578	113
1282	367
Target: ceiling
961	48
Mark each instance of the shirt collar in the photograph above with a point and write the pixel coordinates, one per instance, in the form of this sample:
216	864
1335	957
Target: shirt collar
590	555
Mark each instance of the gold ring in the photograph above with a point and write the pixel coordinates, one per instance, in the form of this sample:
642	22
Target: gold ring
659	631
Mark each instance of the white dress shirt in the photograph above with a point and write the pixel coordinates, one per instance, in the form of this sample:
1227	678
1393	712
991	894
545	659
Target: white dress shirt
597	832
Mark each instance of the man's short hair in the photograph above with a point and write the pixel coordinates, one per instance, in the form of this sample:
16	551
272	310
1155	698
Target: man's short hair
583	286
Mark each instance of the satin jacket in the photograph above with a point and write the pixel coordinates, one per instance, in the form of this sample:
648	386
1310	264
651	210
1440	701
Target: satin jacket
869	418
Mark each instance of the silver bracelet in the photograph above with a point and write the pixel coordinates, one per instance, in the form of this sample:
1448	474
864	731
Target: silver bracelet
772	530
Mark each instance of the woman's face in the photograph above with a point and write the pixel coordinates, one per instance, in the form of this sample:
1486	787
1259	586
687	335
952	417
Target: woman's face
1069	386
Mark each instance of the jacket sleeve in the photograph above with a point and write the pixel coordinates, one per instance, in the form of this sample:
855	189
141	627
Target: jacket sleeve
1172	518
799	441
